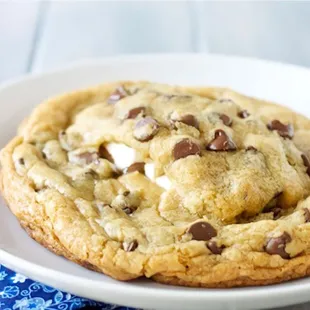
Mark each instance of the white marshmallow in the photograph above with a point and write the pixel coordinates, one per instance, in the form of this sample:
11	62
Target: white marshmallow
125	156
161	181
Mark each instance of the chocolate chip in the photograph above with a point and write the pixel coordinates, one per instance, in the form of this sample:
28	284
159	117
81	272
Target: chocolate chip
104	153
119	93
277	195
131	246
285	131
146	129
133	113
221	142
116	173
129	209
272	206
276	212
277	245
251	148
306	163
62	133
190	120
187	119
43	155
202	231
226	119
307	215
214	248
89	157
21	161
185	148
139	166
244	114
91	173
126	202
126	193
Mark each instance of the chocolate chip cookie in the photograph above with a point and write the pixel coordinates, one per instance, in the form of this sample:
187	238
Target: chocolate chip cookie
188	186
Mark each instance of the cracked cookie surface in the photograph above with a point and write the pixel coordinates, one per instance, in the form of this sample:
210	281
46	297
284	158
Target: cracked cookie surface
189	186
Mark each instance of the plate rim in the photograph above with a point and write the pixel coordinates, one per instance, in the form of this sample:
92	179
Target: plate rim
87	61
249	294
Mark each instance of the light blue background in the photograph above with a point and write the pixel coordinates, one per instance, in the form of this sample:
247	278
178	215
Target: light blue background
40	35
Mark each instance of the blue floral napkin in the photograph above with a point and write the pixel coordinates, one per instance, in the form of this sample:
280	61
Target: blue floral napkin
20	293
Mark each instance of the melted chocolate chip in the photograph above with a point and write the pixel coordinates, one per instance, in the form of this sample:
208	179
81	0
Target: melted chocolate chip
221	142
104	153
133	113
119	93
89	157
226	119
202	231
307	215
285	131
139	166
185	148
131	246
251	148
244	114
214	248
306	163
146	129
21	161
277	245
188	119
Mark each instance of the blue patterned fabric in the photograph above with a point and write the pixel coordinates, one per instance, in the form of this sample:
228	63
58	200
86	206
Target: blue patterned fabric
20	293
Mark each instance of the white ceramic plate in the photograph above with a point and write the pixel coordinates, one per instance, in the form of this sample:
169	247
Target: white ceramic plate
285	84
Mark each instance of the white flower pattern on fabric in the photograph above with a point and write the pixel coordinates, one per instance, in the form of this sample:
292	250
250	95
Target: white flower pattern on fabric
9	292
3	274
18	278
20	293
36	303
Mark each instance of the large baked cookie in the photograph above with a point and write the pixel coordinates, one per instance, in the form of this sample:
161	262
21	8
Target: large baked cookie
189	186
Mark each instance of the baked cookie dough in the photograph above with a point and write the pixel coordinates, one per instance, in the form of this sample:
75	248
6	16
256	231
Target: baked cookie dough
187	186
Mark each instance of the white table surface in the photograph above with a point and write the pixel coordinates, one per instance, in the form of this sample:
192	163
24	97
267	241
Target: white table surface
40	35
